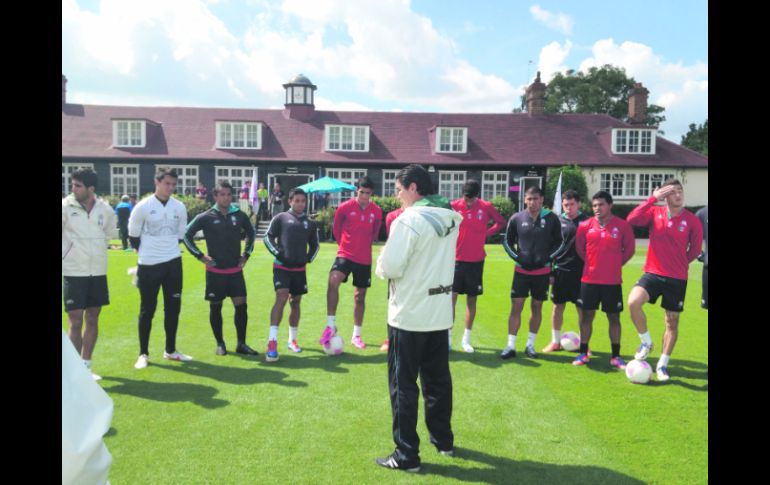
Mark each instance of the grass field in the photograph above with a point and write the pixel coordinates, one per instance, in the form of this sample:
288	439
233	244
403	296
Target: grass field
310	418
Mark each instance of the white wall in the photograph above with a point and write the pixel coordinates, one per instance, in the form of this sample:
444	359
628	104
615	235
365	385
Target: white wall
694	181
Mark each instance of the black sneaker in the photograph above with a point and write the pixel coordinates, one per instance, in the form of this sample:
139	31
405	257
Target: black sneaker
245	349
508	353
390	461
221	350
529	351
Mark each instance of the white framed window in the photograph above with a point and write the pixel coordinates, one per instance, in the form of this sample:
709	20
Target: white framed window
451	140
236	176
347	175
389	183
347	138
632	185
187	180
239	135
129	133
124	179
494	184
66	170
450	184
633	141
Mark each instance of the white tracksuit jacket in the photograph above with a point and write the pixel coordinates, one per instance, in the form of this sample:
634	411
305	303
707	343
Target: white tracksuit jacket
420	256
85	237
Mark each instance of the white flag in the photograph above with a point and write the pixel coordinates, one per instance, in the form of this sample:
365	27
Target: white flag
253	198
556	208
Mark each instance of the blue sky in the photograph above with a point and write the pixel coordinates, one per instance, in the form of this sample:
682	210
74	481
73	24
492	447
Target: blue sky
384	55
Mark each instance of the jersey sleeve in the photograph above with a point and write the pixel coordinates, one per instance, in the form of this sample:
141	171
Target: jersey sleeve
629	243
136	221
580	240
312	245
511	236
499	222
189	235
641	216
251	235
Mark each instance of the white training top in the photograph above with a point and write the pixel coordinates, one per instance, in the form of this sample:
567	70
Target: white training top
160	228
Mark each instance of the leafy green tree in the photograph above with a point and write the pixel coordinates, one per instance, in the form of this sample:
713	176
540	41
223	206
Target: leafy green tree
601	90
697	138
572	178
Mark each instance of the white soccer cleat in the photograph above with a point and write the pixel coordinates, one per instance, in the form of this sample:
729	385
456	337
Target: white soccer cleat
177	355
467	347
142	361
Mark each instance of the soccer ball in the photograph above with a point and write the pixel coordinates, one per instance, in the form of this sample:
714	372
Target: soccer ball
638	371
570	341
335	347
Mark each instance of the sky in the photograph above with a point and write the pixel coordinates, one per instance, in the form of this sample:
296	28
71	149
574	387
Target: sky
457	56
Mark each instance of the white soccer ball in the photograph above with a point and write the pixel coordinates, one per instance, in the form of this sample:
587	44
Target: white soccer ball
638	371
570	341
335	346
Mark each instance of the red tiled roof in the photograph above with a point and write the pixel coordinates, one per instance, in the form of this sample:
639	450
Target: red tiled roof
395	138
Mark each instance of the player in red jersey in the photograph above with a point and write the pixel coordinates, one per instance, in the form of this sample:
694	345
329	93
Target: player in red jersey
676	237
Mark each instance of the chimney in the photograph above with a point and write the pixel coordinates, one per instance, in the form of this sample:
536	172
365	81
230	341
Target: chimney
536	97
63	90
637	104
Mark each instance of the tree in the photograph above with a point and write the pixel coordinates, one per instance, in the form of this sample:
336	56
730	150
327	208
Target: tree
697	138
602	90
571	178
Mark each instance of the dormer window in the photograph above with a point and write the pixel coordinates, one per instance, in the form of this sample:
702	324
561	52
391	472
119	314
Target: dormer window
347	138
129	133
633	141
451	140
239	135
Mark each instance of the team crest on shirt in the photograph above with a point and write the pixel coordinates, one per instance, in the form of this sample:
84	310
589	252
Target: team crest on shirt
542	222
291	221
525	224
480	214
100	220
353	214
682	226
304	223
216	221
615	233
371	218
235	221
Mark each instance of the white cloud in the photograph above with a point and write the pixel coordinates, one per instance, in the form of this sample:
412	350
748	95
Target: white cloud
682	90
552	59
559	22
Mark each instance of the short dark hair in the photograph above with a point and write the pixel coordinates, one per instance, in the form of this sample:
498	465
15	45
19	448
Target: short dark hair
571	195
671	181
534	190
603	194
165	171
365	182
416	174
296	191
472	188
86	176
223	184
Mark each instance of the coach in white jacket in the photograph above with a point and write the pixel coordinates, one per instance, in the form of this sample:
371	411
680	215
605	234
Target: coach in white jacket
418	260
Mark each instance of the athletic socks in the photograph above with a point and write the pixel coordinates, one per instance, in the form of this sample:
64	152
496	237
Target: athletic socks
646	338
292	333
531	339
273	332
615	350
241	317
330	321
356	331
215	318
87	363
583	348
555	336
511	341
467	335
663	361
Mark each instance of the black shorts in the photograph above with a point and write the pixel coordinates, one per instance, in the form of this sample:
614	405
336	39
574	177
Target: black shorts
468	278
566	287
672	289
295	281
362	273
610	296
524	283
81	292
220	286
704	299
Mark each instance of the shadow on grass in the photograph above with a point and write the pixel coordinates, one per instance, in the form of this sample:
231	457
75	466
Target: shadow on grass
497	469
490	358
233	375
312	358
167	391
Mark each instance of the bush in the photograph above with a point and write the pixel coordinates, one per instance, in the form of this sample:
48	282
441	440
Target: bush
323	220
388	205
193	205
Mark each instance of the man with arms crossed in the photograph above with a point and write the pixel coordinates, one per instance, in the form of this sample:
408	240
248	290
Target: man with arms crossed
567	269
469	264
418	261
356	226
293	239
533	240
676	237
223	227
605	243
87	225
155	228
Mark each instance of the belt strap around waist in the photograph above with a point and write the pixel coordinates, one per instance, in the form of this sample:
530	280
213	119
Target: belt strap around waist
439	290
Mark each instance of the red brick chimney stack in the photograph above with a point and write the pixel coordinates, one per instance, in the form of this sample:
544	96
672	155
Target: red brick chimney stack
536	97
637	104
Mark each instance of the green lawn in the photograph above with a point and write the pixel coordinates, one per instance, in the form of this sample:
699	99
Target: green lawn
310	418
